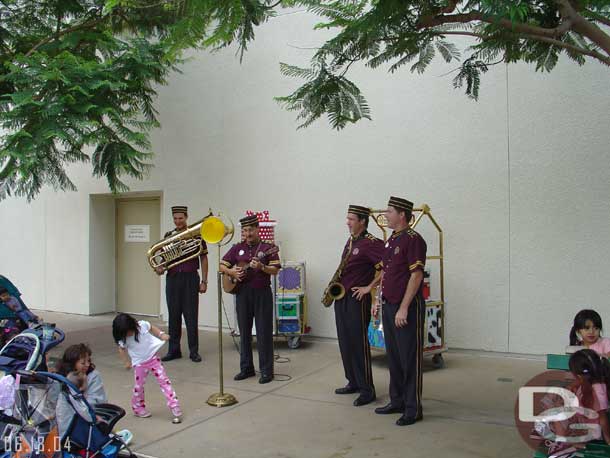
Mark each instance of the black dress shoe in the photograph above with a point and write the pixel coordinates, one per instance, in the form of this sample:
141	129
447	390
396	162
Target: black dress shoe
244	375
388	409
407	421
196	358
171	356
265	378
363	400
346	390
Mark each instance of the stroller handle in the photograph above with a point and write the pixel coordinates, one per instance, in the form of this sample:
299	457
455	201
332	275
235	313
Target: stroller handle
60	336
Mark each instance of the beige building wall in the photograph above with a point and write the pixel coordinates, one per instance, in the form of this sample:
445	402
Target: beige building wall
519	181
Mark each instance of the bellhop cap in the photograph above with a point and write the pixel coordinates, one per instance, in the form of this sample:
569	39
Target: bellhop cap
179	209
249	221
359	210
400	203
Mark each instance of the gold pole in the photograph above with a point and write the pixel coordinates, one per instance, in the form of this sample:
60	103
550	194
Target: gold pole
220	399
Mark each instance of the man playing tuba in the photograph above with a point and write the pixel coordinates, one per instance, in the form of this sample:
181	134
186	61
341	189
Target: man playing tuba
182	290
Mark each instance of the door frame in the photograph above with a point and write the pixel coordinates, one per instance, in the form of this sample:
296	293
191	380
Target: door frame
137	197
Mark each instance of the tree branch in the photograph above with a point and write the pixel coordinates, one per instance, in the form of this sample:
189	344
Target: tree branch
467	34
596	17
562	44
63	32
432	21
583	26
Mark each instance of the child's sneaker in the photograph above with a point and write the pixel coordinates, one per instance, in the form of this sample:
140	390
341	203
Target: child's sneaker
142	414
177	413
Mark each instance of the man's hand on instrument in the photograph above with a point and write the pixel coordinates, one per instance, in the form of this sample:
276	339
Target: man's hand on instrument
400	320
203	287
256	264
160	270
360	291
237	273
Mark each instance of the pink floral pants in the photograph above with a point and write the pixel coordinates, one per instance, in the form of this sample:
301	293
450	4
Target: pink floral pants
140	372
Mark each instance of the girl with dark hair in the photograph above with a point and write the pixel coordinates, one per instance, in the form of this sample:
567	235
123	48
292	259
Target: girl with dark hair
76	366
139	342
588	420
586	331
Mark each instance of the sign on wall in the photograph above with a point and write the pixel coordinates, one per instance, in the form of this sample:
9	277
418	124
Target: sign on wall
137	233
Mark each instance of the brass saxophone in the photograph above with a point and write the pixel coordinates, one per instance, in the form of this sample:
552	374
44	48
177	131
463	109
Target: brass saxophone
335	290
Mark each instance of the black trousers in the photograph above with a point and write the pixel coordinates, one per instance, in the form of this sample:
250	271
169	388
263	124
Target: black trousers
404	348
352	317
255	304
182	295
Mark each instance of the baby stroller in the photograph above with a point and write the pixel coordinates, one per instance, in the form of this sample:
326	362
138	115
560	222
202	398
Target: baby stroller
27	350
11	324
34	432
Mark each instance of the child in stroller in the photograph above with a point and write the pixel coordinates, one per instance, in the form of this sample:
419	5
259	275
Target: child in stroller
34	432
14	314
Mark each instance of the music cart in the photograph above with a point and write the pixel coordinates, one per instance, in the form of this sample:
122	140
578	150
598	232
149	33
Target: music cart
289	304
290	311
435	342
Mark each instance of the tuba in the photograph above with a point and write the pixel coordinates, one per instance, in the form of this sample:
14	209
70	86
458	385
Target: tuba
335	290
177	248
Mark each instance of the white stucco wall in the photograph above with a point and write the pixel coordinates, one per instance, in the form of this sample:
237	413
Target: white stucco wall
519	182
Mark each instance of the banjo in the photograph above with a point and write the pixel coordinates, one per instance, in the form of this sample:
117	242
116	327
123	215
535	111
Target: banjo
231	285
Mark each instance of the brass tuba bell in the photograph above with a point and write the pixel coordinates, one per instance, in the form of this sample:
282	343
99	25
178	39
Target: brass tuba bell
177	248
217	229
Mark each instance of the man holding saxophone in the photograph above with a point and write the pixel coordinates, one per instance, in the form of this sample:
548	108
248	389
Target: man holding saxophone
360	260
182	290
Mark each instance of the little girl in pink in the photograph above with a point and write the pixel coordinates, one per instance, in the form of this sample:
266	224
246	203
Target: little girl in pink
139	343
589	423
586	332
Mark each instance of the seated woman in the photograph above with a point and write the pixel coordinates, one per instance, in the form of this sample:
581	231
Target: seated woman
76	366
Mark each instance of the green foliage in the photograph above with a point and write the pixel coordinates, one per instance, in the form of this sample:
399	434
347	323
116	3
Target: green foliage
78	77
393	33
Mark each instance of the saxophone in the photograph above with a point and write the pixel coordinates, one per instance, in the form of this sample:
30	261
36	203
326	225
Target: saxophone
335	290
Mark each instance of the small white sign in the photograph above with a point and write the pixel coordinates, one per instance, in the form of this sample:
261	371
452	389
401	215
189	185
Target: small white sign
137	233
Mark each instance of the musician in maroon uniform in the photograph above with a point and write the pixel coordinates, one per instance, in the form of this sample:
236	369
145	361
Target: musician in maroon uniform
248	263
182	289
403	316
353	311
